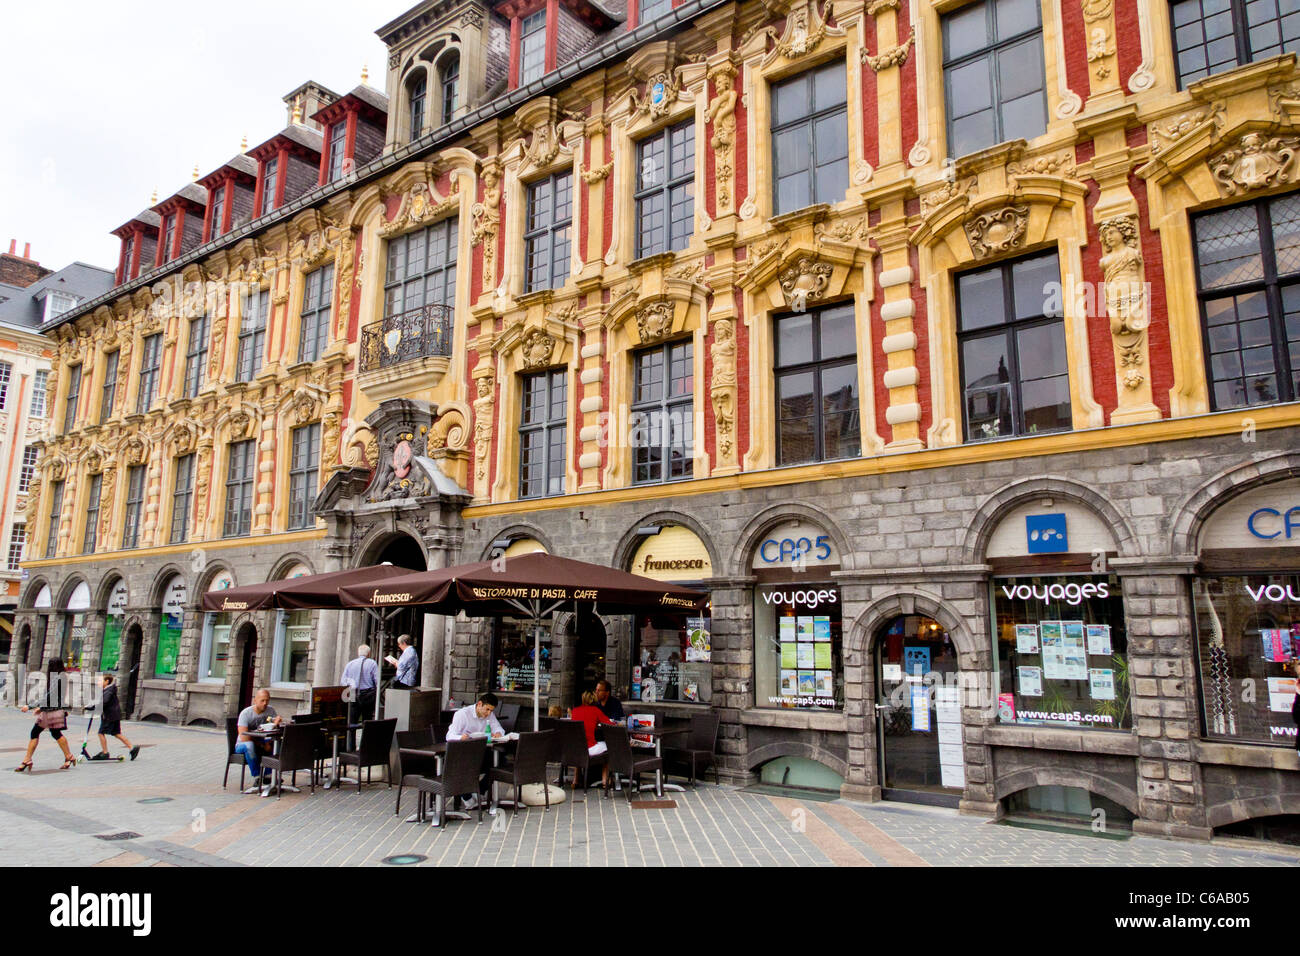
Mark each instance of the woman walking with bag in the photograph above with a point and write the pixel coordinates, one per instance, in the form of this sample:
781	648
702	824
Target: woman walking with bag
50	716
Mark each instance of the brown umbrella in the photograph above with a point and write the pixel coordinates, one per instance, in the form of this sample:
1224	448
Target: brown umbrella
526	584
534	585
306	592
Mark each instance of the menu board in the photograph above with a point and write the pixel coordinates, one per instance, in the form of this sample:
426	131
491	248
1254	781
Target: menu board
947	707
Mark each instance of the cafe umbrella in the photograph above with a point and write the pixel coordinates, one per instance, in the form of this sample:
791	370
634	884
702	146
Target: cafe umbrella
534	585
305	592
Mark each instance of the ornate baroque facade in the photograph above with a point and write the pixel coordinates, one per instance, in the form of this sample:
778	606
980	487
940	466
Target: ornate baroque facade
508	399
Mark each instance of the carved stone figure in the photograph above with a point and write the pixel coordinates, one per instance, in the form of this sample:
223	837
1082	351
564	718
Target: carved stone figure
1126	301
483	415
722	115
723	352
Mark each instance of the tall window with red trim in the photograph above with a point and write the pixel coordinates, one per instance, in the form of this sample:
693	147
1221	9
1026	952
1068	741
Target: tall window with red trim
270	180
338	147
532	47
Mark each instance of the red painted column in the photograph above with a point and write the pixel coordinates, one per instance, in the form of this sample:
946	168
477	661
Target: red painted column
259	188
322	177
135	252
159	253
552	33
514	51
281	174
350	140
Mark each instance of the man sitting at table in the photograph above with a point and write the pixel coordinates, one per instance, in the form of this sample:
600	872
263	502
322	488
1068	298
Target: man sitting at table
591	716
477	718
251	718
609	705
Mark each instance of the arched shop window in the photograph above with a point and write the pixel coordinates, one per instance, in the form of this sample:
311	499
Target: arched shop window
672	654
292	641
512	641
76	627
171	623
214	653
115	613
1058	625
1246	604
798	626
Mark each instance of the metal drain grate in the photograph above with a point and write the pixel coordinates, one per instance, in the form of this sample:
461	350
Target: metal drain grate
654	804
121	835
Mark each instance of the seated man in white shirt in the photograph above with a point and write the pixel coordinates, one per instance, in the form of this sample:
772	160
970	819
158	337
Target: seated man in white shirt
477	719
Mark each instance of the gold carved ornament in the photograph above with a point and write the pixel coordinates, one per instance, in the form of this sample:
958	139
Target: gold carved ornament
997	231
1256	162
805	281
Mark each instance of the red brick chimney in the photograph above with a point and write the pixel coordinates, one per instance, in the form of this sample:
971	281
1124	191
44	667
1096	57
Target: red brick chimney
21	270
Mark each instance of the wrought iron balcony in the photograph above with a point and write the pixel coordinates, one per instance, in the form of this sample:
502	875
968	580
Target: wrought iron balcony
417	333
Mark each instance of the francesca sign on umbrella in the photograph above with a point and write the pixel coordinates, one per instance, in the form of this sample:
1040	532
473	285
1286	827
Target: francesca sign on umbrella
510	585
306	592
534	585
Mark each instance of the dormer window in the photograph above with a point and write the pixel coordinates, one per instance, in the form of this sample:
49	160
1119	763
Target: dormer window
648	10
218	211
448	79
337	148
169	237
128	250
532	47
56	303
417	90
270	180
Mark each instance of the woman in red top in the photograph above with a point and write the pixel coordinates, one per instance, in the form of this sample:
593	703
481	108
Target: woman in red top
591	715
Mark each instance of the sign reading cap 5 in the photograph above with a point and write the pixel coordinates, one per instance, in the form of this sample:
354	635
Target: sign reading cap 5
1045	534
796	544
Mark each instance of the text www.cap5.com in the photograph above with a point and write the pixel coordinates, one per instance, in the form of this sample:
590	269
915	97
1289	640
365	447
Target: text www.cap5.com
1203	923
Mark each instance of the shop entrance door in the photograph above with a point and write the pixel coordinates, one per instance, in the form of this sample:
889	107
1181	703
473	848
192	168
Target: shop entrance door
920	757
247	662
128	668
588	654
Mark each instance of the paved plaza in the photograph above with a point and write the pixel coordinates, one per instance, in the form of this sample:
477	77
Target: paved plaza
52	817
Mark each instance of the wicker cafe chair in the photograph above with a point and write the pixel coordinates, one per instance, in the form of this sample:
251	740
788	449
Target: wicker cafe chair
376	745
508	716
461	768
411	765
232	738
572	736
531	760
297	752
622	762
700	746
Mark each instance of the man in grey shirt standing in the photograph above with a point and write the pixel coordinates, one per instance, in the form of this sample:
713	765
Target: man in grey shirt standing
251	718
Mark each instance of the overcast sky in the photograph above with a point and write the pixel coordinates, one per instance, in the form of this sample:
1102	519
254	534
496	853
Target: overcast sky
109	101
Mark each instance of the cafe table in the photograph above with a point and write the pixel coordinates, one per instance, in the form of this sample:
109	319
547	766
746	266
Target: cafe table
276	736
497	745
336	733
657	734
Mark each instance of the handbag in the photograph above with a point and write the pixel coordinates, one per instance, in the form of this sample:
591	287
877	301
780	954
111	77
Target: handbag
52	720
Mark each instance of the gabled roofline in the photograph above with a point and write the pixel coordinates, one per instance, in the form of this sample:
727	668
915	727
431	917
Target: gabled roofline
507	103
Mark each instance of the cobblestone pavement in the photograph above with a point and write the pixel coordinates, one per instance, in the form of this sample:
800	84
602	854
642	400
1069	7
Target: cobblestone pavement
54	817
